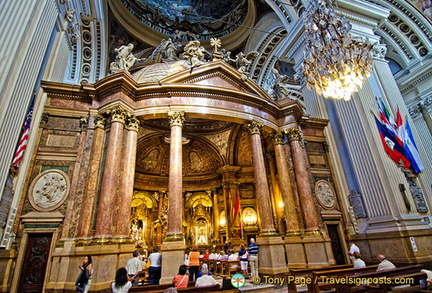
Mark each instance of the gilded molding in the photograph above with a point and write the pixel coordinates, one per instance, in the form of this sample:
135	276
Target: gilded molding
255	127
176	118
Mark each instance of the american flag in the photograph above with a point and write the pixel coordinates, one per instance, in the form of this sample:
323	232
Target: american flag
22	145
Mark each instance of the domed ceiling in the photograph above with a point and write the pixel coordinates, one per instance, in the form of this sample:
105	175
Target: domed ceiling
204	18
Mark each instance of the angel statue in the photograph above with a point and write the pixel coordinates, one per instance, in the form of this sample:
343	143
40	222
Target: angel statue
194	53
242	61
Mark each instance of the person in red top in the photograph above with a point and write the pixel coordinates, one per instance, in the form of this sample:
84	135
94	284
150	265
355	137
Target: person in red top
194	256
206	255
181	280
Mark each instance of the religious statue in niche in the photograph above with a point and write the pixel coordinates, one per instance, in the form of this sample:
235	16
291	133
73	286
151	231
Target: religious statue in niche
48	190
201	232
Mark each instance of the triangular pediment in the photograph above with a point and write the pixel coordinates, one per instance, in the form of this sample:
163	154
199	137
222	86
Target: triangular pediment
217	74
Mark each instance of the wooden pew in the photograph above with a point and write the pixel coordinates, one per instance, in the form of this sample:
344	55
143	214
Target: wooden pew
318	277
355	282
307	273
162	287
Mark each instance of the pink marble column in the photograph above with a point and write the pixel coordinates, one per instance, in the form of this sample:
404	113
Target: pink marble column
110	184
93	176
175	196
309	211
285	185
127	178
261	184
215	212
228	179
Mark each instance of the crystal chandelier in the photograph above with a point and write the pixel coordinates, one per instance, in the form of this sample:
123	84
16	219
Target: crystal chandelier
334	65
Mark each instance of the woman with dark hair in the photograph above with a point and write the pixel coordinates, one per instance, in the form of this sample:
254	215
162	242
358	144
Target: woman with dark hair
122	283
85	277
181	280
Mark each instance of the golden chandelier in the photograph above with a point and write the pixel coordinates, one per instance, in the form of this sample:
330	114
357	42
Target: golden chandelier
334	65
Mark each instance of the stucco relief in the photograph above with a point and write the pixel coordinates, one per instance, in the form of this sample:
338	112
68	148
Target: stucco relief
48	190
325	194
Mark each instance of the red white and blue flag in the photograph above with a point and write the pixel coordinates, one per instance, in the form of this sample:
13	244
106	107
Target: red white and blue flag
22	145
397	138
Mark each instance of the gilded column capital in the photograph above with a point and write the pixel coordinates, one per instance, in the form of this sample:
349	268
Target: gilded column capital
99	121
277	138
176	118
118	114
83	123
255	127
43	120
293	134
133	123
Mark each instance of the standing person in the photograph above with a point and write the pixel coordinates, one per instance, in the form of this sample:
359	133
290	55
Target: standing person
194	256
85	277
352	248
121	283
134	267
181	280
358	262
155	268
384	264
253	257
243	255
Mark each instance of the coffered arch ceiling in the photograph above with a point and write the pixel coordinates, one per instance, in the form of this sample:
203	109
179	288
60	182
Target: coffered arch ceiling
202	154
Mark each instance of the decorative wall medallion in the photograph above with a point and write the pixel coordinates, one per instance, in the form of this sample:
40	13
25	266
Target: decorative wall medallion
325	194
49	190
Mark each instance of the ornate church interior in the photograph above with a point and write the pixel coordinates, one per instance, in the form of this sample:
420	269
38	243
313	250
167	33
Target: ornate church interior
174	124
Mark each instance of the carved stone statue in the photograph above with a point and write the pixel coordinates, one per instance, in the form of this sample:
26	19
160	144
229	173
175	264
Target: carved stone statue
243	60
194	53
125	59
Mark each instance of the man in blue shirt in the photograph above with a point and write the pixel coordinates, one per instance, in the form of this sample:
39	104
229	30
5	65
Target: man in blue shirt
253	257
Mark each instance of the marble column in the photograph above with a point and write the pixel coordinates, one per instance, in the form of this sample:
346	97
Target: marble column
228	178
108	193
216	218
93	176
309	211
127	178
261	184
159	229
175	196
285	185
275	193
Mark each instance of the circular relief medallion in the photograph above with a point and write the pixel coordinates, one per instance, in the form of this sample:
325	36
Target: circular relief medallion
49	190
325	194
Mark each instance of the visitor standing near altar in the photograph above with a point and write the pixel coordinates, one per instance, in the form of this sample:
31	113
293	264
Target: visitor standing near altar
134	267
253	257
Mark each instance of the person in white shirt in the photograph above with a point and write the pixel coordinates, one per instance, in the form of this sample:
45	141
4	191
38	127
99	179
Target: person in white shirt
205	279
155	268
358	262
352	248
233	256
134	267
384	263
